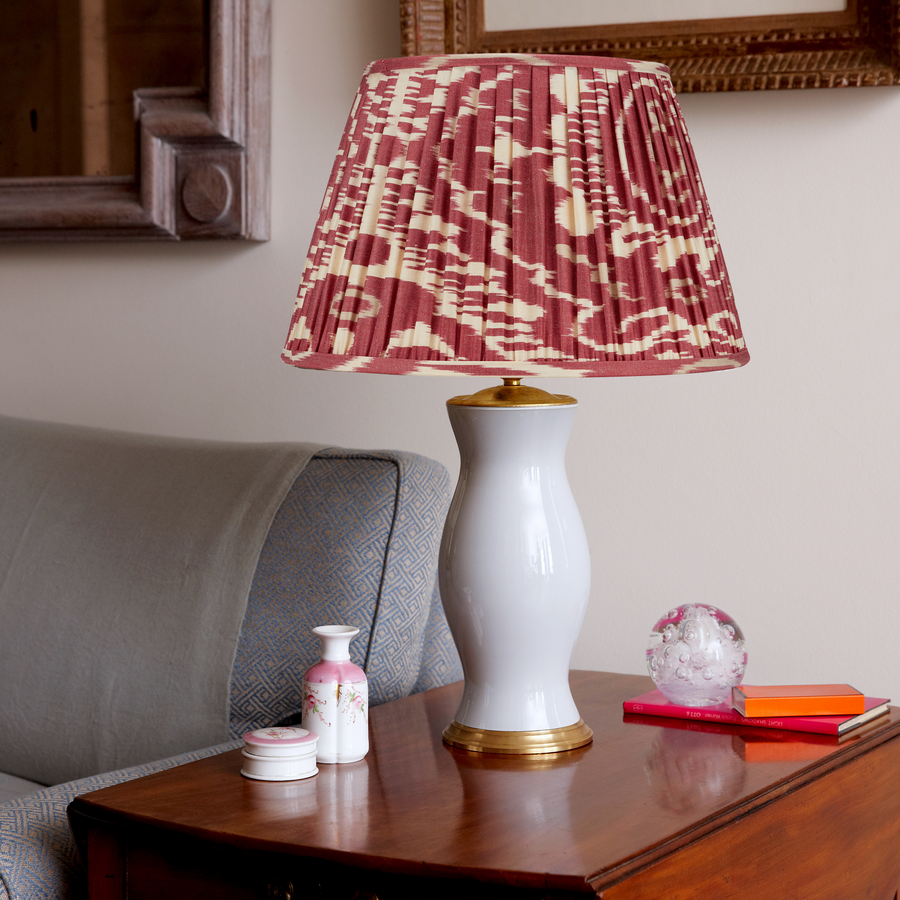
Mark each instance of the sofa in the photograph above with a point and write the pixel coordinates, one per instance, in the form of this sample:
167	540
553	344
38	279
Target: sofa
157	600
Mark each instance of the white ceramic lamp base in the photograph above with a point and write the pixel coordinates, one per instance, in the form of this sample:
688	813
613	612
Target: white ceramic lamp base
514	577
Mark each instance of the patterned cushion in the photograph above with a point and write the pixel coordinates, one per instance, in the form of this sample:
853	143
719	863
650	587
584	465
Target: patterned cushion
440	661
38	856
355	542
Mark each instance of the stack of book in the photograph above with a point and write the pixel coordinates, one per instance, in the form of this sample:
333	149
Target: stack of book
821	709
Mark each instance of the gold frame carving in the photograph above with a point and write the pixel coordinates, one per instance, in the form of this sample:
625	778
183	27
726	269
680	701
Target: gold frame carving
203	158
857	47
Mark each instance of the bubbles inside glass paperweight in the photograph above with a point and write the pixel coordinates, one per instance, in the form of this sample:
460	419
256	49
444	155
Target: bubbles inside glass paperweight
696	655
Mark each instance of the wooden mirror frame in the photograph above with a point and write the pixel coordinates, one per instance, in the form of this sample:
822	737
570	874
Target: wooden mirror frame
202	159
856	47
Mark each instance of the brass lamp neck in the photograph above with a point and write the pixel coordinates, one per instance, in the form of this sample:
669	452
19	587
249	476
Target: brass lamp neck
512	393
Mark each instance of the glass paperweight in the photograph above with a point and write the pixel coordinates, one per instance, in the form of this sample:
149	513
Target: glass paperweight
696	655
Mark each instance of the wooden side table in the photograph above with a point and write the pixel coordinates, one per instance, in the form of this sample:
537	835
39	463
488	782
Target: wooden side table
653	808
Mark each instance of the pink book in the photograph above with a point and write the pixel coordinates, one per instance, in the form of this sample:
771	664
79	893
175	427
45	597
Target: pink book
655	704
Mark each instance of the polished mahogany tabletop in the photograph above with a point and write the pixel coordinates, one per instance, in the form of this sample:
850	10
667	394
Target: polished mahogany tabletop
645	787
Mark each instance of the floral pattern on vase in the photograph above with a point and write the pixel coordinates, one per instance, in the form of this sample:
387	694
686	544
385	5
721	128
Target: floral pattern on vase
355	700
313	704
336	698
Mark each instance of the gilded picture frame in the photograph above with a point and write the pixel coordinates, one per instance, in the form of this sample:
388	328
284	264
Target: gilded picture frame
855	47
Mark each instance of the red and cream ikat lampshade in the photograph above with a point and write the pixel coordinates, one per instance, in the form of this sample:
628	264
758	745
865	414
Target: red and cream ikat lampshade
515	215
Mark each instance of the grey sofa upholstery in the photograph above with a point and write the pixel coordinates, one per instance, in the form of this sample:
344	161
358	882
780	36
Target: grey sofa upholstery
157	598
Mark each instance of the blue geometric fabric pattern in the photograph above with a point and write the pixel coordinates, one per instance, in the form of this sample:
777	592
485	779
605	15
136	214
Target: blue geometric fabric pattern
355	542
39	858
407	601
440	660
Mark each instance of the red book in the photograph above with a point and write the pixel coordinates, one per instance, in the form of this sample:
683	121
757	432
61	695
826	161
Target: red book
655	704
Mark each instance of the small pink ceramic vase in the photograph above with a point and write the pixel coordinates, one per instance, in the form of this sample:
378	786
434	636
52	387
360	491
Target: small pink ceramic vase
336	699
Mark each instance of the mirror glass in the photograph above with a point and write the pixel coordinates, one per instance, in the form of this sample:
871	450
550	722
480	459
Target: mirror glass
69	68
500	15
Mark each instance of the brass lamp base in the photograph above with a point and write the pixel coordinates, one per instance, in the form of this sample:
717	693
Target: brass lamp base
551	740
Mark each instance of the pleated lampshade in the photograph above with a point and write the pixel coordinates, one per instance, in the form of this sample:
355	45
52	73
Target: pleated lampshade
515	215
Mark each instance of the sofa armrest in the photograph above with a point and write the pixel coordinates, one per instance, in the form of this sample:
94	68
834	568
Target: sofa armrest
38	856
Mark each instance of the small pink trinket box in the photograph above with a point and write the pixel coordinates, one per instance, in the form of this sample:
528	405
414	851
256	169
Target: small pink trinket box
279	754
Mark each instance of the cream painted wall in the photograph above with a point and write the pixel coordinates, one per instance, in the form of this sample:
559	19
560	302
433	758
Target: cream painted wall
772	491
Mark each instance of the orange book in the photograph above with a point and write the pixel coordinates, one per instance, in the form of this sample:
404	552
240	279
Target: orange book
755	701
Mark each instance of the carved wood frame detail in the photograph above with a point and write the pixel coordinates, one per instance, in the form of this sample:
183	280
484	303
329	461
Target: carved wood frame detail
203	159
857	47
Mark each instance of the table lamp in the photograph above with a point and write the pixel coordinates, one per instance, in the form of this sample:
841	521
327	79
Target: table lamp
515	216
